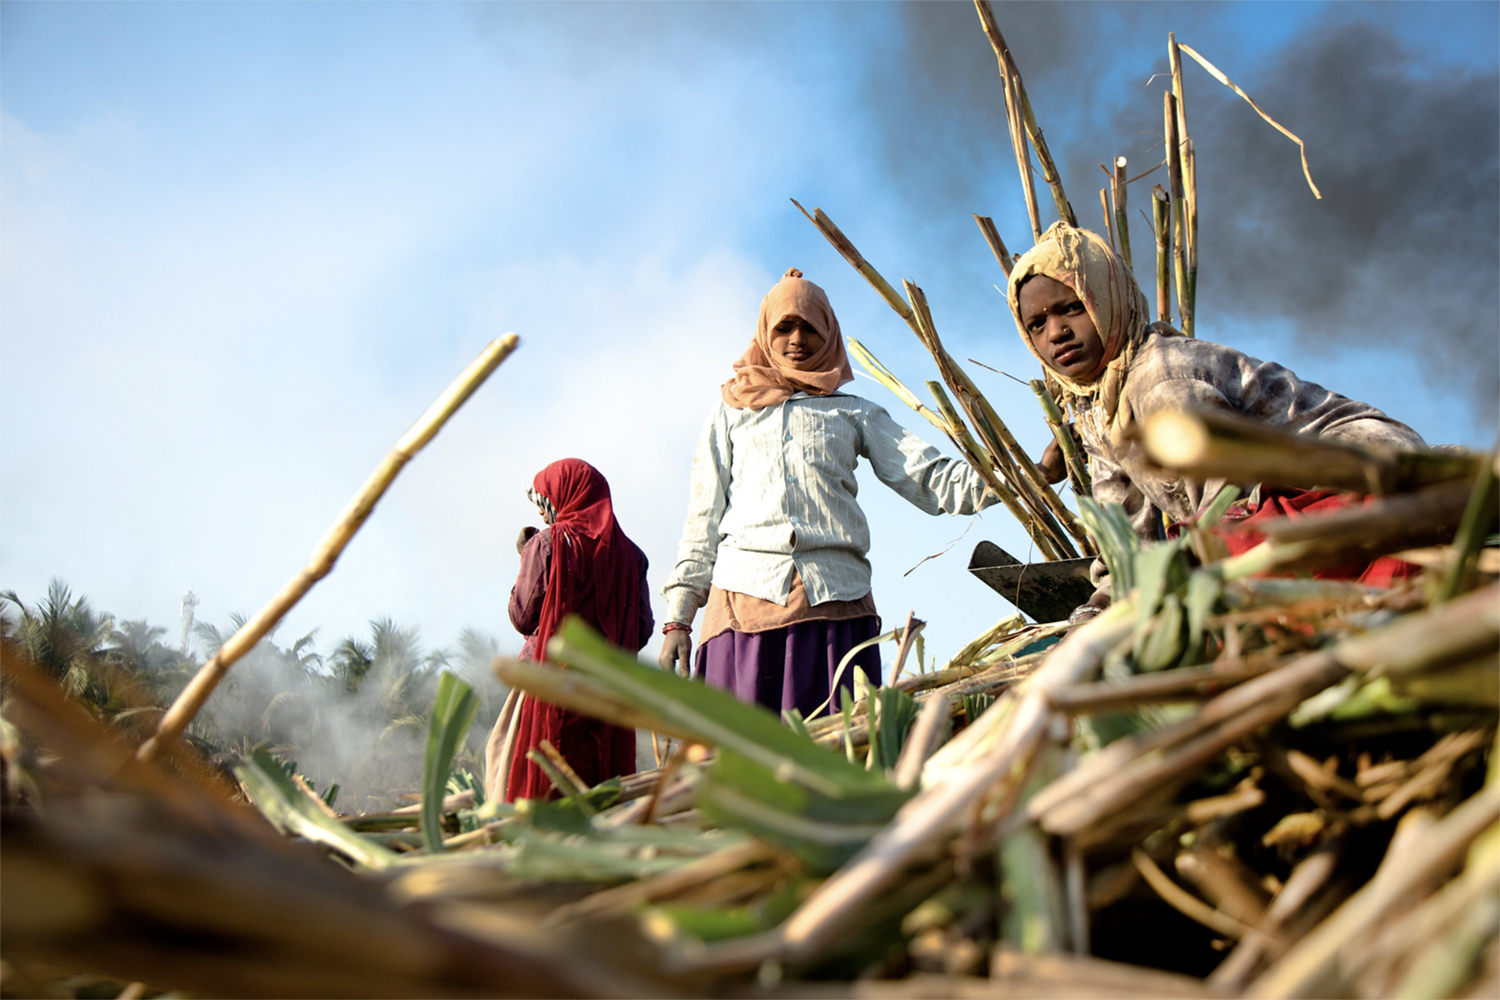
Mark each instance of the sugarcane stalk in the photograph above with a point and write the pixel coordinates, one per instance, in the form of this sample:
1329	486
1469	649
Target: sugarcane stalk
1174	60
1109	229
1220	724
1478	521
1017	128
1083	484
1161	212
1190	190
938	809
971	450
909	633
620	900
560	762
1075	874
560	780
1011	458
846	249
1442	635
922	740
1179	228
1185	903
1038	481
883	375
1307	968
1009	72
329	549
1433	775
1122	221
997	245
1205	444
1133	768
1228	883
1309	879
1359	534
1187	175
1054	975
1425	929
1182	684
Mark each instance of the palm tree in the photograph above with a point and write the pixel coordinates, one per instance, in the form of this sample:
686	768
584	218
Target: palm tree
350	662
65	637
158	673
137	643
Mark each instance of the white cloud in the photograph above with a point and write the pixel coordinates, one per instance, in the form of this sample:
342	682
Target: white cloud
218	311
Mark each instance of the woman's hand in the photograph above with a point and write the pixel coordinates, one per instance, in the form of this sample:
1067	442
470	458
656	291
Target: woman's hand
1054	465
676	652
1096	605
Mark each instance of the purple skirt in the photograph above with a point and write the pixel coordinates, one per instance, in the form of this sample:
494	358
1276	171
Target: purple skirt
789	667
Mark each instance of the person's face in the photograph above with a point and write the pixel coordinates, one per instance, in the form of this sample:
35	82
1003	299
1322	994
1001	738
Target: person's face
543	506
1060	327
795	339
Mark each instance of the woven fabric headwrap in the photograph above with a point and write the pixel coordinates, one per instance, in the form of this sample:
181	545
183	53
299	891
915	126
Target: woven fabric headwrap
1083	261
764	378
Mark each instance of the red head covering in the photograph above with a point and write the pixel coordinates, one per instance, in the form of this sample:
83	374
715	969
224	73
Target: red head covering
587	543
764	378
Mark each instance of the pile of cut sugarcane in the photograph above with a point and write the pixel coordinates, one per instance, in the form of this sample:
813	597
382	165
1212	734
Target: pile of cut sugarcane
1231	783
1227	784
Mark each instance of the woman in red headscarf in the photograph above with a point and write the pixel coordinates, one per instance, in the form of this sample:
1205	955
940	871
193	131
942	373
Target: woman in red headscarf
580	564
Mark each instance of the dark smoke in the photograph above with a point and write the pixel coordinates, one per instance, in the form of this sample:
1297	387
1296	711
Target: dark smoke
1404	248
1403	251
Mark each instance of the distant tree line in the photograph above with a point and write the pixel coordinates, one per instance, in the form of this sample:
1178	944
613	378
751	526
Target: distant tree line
356	718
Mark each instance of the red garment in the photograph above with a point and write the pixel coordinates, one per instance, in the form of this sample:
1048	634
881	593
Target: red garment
1241	534
595	573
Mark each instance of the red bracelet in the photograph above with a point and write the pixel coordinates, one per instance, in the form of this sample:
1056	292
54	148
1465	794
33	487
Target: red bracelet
675	627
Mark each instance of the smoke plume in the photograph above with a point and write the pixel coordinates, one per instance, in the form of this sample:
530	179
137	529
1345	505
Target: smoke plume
1402	251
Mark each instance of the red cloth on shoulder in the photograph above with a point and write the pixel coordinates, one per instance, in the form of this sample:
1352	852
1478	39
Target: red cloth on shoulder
595	574
1243	533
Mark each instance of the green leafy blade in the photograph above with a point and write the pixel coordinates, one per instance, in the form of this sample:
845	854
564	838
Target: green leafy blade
715	717
290	810
452	711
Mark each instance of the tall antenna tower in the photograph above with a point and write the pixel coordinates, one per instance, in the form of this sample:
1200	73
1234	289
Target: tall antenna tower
188	604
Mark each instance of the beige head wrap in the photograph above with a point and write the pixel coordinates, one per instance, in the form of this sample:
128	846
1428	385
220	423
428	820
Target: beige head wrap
1084	262
764	378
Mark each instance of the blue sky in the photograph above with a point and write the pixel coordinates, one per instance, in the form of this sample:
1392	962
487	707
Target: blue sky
242	247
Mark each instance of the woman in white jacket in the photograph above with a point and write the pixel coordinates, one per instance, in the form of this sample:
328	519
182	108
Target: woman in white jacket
774	548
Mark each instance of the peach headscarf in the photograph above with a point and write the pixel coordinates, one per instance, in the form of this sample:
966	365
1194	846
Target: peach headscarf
764	378
1083	261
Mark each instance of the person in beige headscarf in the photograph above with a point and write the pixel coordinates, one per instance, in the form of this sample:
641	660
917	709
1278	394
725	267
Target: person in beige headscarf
774	546
1080	312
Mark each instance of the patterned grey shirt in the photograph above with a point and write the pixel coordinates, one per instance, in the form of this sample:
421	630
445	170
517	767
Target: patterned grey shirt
1177	373
774	489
